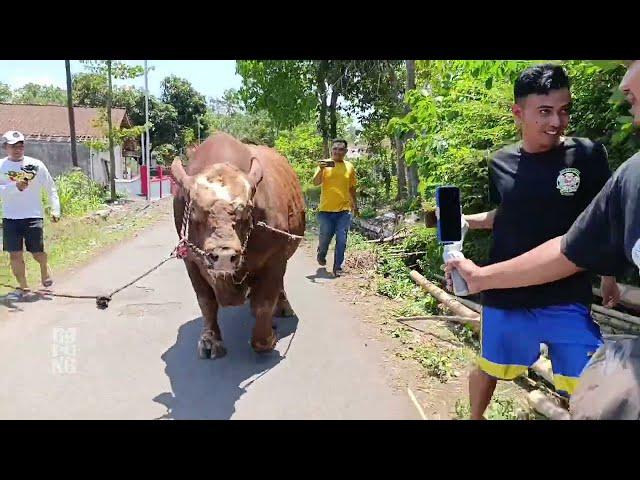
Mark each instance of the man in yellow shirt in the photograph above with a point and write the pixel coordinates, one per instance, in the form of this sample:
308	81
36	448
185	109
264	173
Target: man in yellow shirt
337	178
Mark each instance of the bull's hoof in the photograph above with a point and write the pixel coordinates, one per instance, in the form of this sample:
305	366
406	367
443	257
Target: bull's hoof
265	346
209	348
204	353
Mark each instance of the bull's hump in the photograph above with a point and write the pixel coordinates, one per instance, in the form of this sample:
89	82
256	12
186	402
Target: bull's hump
223	148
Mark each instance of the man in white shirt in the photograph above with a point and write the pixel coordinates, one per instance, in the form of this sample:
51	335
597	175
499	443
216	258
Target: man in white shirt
21	182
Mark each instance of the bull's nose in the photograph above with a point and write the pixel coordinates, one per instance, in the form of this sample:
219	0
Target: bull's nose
224	259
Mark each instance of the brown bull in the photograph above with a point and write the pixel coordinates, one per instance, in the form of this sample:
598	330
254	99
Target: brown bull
234	190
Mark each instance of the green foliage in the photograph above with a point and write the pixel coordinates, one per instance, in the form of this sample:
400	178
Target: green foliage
372	173
456	124
35	94
79	194
283	88
302	146
165	153
5	93
190	107
599	111
500	408
395	281
253	128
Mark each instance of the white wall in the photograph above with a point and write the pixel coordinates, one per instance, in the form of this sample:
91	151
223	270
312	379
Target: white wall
99	172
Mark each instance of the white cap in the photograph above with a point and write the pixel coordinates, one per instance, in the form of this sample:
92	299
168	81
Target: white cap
12	136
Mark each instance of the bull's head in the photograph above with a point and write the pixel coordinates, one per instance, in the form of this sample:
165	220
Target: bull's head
222	202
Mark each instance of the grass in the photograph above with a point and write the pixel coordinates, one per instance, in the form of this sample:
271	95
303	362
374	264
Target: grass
501	408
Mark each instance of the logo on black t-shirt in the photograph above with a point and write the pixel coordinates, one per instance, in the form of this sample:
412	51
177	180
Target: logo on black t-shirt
568	181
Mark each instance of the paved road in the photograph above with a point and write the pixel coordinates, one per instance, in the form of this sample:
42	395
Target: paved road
64	359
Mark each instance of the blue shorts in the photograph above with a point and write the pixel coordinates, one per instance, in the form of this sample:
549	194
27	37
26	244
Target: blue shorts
510	341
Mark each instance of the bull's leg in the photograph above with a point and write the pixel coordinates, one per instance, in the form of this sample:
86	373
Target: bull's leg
283	307
210	344
264	297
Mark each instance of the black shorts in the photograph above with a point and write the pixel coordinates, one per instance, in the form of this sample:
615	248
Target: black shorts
18	232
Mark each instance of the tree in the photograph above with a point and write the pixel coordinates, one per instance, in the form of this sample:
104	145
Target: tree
374	91
283	88
90	89
5	93
162	117
112	157
255	128
72	122
229	104
412	169
189	104
109	69
35	94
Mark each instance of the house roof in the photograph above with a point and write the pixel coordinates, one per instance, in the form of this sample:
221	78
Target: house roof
51	122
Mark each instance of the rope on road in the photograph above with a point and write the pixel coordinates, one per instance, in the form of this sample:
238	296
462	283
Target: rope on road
102	301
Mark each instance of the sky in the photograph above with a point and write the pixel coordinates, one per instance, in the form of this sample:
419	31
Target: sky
209	77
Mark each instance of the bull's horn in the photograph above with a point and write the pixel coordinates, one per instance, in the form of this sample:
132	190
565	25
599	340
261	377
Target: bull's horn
255	172
178	172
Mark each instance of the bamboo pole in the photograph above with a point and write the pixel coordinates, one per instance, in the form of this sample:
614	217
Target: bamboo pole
543	404
615	323
447	300
615	314
444	318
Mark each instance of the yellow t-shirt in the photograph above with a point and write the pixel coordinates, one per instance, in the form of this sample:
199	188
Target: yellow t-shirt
336	182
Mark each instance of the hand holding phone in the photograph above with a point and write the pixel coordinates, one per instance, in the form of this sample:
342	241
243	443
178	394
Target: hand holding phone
327	163
450	231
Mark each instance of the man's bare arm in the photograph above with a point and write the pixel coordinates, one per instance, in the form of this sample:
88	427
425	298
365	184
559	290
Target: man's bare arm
545	263
317	178
482	220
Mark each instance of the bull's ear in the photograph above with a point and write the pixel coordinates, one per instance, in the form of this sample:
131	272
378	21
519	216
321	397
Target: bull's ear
255	173
178	172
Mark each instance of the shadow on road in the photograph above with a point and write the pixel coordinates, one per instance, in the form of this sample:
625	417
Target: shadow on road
209	389
321	272
13	304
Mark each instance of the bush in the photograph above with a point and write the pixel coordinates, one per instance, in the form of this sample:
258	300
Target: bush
78	194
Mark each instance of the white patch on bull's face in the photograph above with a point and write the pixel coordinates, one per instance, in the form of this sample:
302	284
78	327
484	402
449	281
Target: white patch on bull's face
221	191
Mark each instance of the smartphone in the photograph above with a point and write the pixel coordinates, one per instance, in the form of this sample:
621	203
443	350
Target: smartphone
328	163
450	211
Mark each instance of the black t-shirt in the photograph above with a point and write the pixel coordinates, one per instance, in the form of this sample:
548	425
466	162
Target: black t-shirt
540	195
606	237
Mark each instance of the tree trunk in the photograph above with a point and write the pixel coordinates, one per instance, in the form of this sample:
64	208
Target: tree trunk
400	169
112	156
386	175
72	121
333	117
412	170
322	93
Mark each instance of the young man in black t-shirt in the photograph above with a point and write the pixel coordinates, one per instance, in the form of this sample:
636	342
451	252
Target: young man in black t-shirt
604	239
541	185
